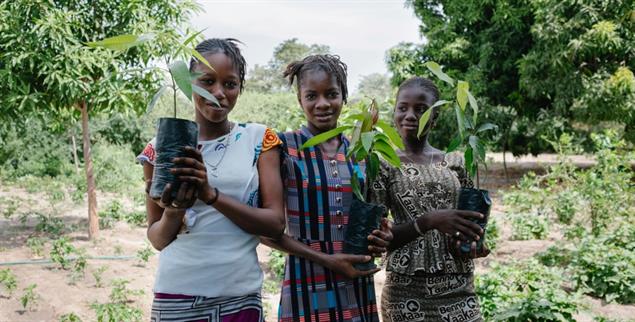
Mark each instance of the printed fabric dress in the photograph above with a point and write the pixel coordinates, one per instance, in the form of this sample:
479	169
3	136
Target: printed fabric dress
318	198
424	282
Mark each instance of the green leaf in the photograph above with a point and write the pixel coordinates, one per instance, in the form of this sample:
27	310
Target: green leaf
394	136
454	144
192	37
324	136
203	92
461	94
200	58
388	153
181	75
440	103
155	98
357	133
423	121
356	186
469	160
121	42
460	119
367	140
373	167
436	70
478	147
486	127
474	105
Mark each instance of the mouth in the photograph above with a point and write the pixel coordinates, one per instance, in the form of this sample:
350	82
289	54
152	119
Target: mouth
323	117
410	126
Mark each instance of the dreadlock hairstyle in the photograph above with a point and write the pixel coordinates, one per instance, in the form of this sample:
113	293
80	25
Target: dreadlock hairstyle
227	46
330	64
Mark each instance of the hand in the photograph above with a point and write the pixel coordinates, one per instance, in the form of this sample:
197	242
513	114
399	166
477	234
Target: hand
380	239
193	171
455	249
343	264
185	197
453	222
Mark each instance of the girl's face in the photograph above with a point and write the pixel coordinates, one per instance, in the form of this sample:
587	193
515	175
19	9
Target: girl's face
223	82
321	99
412	102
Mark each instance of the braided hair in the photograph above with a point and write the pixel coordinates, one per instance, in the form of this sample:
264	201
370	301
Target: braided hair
227	46
330	64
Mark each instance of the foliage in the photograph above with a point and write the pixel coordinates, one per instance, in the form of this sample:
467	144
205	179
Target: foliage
524	291
114	312
9	207
371	139
375	86
120	292
555	256
277	263
8	281
115	212
143	254
50	224
279	111
556	66
268	78
36	245
526	226
70	317
605	266
79	266
492	234
60	252
29	299
97	274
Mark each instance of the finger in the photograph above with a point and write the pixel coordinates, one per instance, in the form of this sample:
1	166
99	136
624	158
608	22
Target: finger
166	196
385	235
473	250
193	180
470	229
375	249
468	214
189	172
377	241
368	272
180	195
190	194
194	153
357	258
189	162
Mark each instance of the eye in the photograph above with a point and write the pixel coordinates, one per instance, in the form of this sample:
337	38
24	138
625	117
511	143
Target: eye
401	108
310	97
207	82
333	95
231	85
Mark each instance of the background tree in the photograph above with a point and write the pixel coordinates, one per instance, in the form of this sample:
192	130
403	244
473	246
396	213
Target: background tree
376	86
46	70
268	79
543	66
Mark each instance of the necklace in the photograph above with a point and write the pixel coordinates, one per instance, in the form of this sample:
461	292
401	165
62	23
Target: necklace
220	146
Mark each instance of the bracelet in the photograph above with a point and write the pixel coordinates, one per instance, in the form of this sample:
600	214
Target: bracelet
416	225
216	194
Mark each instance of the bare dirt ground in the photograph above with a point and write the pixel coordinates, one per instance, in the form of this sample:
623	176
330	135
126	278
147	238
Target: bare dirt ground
57	295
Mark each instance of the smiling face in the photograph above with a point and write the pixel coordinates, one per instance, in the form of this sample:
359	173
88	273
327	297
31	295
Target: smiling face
223	82
412	102
321	99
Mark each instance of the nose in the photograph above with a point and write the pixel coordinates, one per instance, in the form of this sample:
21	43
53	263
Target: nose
322	103
410	115
218	92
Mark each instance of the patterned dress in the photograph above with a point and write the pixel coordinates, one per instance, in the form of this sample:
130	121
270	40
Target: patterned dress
424	282
319	194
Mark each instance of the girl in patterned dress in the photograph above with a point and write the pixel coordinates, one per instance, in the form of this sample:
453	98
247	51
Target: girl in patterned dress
427	278
230	192
320	283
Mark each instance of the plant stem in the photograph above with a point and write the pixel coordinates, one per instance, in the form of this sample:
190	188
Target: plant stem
478	181
173	93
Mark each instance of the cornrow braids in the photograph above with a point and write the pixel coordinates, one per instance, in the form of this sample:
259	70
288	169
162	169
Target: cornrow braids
424	83
227	46
330	64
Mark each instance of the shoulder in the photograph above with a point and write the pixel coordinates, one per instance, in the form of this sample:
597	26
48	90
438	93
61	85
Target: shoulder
148	154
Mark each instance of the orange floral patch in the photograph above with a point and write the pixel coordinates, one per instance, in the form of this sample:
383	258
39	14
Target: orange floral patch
270	140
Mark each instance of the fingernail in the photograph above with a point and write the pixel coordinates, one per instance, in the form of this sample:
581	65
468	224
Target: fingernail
367	258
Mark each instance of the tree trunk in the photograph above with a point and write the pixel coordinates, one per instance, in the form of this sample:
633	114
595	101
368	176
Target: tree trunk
93	220
75	158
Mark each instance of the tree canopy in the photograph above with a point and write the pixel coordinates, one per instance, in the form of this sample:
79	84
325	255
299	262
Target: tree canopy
541	66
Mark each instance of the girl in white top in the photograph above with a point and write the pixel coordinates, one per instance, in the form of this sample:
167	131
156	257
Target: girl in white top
231	193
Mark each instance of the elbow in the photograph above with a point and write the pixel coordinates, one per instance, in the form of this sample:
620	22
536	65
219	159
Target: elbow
276	230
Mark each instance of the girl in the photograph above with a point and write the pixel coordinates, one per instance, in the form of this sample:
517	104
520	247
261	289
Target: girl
320	283
209	270
424	281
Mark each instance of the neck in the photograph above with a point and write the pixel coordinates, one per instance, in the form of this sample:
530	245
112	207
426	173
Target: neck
415	146
210	131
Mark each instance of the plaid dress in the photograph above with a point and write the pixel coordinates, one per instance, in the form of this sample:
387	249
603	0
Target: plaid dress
319	195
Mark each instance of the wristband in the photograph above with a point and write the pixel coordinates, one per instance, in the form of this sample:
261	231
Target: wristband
211	202
416	225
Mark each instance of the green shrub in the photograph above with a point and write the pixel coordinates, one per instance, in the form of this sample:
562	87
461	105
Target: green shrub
529	226
525	291
61	251
8	281
555	256
492	234
276	263
115	312
49	224
29	299
604	267
9	207
36	245
70	317
97	274
114	169
143	255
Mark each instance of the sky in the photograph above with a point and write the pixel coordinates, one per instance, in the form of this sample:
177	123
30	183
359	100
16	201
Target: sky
360	31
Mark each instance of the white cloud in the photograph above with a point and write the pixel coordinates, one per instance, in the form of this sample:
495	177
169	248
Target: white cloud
359	31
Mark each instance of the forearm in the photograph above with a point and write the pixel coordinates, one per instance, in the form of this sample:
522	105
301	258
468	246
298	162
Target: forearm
406	233
257	221
296	248
163	231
